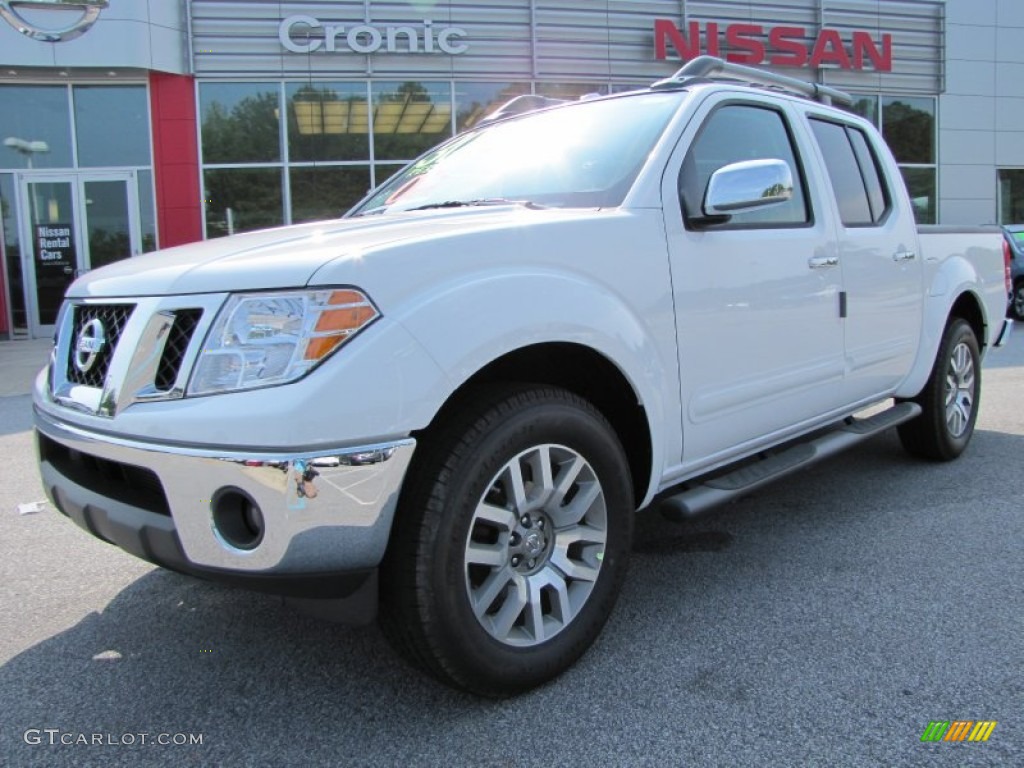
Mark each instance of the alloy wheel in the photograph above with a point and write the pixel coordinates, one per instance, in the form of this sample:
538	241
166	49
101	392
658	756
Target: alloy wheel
535	545
960	390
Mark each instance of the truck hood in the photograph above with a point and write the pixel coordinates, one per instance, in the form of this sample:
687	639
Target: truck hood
290	256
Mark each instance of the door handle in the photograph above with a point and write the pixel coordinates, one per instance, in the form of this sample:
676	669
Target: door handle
904	256
823	262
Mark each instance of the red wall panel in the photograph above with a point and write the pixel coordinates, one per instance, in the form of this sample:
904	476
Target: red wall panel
175	159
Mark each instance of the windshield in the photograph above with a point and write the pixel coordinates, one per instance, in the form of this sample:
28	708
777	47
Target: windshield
583	155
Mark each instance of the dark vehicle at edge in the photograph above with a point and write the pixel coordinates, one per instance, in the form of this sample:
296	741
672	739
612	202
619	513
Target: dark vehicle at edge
1014	234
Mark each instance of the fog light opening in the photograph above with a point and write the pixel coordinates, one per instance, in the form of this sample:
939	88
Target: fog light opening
237	519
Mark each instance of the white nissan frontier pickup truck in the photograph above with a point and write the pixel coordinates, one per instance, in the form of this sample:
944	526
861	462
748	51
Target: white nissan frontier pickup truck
450	403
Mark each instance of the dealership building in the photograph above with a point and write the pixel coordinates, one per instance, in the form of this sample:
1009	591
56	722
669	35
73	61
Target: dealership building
131	125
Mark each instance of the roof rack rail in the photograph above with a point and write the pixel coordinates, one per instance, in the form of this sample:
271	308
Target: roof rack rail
712	67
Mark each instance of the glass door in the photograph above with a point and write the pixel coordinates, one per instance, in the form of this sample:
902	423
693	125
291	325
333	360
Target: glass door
74	223
109	219
51	234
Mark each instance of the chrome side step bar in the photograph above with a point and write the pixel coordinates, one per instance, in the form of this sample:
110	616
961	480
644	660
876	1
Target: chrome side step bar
718	490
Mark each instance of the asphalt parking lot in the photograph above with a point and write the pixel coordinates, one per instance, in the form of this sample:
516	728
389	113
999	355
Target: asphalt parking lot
824	621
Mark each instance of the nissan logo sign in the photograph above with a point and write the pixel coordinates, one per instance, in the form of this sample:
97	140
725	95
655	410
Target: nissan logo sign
88	345
87	12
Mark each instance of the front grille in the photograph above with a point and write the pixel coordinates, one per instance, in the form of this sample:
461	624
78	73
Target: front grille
128	484
113	317
185	322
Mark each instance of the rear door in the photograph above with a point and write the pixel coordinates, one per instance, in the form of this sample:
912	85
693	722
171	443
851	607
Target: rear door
759	335
881	268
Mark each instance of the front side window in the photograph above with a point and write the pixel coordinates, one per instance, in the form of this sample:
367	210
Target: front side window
585	154
736	133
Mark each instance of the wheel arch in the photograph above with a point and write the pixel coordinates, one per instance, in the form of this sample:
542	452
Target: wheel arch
968	306
578	369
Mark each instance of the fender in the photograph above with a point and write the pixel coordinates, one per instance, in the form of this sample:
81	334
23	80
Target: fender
495	312
953	277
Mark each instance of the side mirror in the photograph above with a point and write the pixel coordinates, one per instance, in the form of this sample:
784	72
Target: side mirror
745	186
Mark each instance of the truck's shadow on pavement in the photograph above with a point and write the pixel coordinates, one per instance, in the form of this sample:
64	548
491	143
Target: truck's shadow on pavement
171	654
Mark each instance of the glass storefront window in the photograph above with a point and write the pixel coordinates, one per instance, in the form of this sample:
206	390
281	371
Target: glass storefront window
103	142
922	188
12	252
242	199
908	125
865	106
327	193
626	87
409	118
147	211
328	121
474	101
382	173
570	91
35	127
107	219
240	122
1011	196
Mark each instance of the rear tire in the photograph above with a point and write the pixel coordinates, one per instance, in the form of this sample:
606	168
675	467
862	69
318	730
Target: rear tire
949	400
510	543
1017	302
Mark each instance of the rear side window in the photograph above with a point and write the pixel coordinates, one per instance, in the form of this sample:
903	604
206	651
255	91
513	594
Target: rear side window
870	168
853	170
732	134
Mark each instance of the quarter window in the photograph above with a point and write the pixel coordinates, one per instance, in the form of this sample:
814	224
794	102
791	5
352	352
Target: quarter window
733	134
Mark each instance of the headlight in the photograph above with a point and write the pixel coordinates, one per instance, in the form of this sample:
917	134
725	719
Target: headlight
262	339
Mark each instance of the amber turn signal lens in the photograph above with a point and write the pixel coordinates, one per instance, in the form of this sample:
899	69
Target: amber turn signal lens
349	311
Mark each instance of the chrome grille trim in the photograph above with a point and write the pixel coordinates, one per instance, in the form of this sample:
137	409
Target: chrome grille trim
175	347
155	351
114	318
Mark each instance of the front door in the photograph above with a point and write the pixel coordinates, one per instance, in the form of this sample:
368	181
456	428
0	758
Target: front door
757	297
73	223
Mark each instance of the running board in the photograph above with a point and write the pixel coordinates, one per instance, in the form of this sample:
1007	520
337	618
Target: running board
723	488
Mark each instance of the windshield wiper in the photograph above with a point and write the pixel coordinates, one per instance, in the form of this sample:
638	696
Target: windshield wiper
481	201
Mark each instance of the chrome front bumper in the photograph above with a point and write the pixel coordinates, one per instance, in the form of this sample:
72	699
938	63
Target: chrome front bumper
322	512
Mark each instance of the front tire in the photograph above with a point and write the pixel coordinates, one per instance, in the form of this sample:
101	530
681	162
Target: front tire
510	543
949	401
